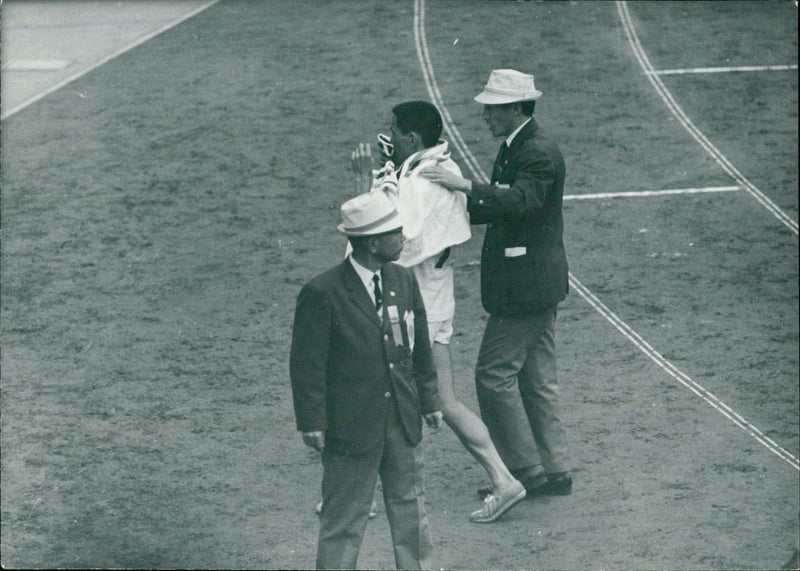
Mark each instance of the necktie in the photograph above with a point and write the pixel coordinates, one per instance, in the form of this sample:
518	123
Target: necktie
498	163
377	289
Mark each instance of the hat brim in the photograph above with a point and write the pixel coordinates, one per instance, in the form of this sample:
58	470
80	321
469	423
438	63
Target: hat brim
501	99
391	226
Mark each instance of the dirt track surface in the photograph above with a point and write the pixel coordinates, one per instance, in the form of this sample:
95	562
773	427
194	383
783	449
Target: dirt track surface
160	214
40	52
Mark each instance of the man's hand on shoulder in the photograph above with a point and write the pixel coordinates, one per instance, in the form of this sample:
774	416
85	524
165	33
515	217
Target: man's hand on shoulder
447	179
434	419
315	439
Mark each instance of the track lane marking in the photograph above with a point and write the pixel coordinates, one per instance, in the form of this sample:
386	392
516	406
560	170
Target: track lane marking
722	69
677	111
640	193
105	60
427	71
85	25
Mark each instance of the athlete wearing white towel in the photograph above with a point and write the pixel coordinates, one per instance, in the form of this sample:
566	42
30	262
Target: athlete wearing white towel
435	220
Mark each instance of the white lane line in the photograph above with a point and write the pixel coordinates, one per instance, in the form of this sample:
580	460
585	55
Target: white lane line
84	25
722	69
639	193
683	378
433	88
666	96
610	316
105	60
36	65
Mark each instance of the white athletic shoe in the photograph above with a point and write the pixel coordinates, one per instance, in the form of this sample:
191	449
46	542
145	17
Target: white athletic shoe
494	507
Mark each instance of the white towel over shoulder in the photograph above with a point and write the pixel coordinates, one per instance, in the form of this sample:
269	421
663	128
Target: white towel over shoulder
434	217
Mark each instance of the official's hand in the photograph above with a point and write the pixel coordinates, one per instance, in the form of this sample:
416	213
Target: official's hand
315	440
434	419
447	179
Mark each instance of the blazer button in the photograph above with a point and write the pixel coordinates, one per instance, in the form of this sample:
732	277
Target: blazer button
385	337
391	365
388	395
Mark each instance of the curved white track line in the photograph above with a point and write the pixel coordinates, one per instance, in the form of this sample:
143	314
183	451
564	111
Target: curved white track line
639	193
666	96
724	69
683	378
105	60
452	131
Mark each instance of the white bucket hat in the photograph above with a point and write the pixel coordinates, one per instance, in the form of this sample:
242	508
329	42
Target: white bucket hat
508	86
369	214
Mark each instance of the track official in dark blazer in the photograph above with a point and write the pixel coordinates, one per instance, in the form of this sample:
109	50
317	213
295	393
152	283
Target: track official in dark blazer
524	275
362	380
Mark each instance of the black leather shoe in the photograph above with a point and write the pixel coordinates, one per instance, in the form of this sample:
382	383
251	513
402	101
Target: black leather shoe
534	482
560	485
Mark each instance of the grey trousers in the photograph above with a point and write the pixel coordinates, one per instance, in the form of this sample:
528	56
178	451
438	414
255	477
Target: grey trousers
348	486
518	390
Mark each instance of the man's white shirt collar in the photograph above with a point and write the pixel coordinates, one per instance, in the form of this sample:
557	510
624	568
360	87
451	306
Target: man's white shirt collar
517	130
366	277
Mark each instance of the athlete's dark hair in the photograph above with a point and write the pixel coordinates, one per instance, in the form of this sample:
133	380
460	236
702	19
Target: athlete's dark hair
420	117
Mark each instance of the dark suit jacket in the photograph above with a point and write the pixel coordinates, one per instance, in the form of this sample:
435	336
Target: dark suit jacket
523	262
348	374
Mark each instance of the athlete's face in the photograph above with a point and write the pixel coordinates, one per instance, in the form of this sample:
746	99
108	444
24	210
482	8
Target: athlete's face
404	143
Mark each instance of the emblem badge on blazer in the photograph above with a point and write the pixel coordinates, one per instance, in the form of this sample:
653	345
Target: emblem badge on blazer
394	320
397	327
409	319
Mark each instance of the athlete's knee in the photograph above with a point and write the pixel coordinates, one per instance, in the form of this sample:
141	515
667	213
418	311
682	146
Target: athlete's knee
451	409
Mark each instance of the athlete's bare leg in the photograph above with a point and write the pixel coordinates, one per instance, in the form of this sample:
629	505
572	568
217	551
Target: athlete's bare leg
467	425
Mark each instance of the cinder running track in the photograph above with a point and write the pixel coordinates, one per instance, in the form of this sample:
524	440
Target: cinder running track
46	45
